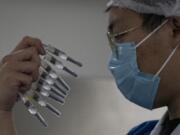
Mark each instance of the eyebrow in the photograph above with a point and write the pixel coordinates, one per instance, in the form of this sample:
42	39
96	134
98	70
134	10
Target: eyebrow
107	9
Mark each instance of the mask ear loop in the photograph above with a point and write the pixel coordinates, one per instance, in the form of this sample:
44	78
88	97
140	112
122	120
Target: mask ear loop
149	35
166	62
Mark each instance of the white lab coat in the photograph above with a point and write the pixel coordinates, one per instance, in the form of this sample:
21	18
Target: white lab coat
158	127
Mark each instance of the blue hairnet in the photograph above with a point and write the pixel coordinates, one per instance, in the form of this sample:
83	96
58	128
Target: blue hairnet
167	8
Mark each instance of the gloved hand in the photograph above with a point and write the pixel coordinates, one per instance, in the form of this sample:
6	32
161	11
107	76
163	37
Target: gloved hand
18	70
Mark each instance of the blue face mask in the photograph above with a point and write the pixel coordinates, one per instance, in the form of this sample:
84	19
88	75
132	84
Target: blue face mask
138	87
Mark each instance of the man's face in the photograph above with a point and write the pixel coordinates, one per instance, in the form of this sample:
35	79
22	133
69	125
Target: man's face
152	54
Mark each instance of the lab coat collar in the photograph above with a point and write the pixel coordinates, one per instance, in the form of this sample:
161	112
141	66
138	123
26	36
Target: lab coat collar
158	127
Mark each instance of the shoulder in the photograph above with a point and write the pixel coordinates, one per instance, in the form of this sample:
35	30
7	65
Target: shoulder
144	128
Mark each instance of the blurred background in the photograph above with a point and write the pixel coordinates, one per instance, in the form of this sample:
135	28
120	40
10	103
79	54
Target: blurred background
94	106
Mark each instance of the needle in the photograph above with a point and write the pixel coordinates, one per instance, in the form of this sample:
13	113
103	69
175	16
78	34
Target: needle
43	103
62	55
44	85
32	110
58	64
51	95
54	75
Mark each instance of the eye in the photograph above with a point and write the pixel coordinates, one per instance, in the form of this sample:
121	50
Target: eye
119	38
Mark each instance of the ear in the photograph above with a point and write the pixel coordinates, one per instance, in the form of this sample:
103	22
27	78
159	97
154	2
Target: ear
175	23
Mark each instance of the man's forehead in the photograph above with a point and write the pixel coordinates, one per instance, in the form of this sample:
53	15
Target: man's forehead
114	16
123	16
117	15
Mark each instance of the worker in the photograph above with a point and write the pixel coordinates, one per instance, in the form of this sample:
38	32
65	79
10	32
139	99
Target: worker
144	36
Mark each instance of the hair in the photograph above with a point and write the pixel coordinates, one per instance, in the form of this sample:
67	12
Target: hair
151	21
